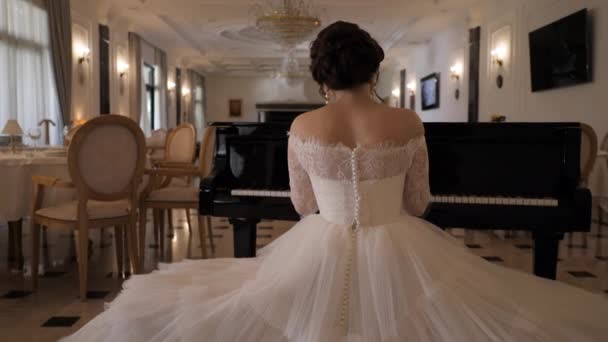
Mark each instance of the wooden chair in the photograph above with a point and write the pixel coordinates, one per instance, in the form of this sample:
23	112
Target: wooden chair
179	151
589	148
156	144
604	145
159	195
602	215
180	146
106	162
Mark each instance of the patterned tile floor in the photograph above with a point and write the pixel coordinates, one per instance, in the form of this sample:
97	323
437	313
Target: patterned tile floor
55	310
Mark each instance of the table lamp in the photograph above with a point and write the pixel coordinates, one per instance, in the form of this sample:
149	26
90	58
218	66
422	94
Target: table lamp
12	129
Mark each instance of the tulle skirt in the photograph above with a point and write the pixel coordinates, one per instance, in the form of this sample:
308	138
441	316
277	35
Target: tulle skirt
405	281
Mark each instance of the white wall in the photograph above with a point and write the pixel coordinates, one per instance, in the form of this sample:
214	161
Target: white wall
85	77
254	90
437	56
85	83
510	22
119	51
584	103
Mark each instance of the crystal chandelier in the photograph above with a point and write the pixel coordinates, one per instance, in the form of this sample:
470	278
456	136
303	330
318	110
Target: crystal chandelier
287	22
289	70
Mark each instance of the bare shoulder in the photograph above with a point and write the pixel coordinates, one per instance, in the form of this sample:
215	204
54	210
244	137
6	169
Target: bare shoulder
408	121
306	124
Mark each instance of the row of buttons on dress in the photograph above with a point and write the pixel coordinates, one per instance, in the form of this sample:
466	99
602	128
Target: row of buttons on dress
353	239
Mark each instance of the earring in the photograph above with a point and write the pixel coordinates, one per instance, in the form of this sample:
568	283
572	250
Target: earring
327	95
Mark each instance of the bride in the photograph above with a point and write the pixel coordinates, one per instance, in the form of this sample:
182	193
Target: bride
366	268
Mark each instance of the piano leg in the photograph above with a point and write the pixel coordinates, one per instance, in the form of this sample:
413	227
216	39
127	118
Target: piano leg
245	233
546	249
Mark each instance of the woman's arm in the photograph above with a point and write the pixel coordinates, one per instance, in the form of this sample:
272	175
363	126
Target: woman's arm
302	195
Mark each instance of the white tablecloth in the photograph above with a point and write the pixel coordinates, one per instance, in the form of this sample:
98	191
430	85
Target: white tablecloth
598	179
16	189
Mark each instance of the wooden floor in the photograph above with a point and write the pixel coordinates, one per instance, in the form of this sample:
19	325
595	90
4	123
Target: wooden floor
55	311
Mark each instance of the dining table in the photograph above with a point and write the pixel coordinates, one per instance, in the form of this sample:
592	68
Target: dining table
16	190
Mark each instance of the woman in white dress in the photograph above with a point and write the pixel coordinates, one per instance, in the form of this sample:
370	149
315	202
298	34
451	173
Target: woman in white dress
365	268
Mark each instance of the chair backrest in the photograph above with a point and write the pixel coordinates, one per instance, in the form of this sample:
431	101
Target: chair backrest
207	151
604	145
106	158
156	144
181	144
588	150
158	138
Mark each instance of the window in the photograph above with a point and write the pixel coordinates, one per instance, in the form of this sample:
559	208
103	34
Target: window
27	89
150	87
199	110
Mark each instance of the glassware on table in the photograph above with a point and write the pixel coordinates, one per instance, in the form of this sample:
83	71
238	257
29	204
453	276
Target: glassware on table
34	134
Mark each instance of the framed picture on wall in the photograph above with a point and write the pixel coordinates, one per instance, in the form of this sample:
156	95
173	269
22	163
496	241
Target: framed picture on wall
235	107
430	91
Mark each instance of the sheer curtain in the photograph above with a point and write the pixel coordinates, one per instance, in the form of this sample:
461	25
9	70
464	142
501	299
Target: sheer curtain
161	117
136	88
196	104
27	84
153	61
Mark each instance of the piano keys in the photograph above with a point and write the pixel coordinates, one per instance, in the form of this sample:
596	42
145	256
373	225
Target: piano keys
259	193
538	202
535	202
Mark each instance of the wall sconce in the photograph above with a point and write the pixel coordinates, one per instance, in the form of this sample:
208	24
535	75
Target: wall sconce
455	74
456	71
122	68
171	86
411	87
498	55
396	95
83	53
185	91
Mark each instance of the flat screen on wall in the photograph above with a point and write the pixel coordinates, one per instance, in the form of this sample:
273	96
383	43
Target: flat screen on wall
560	53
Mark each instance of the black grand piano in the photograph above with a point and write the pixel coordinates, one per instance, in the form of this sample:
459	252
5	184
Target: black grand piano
507	176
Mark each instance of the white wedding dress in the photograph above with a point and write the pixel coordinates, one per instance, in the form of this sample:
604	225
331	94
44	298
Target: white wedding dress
365	269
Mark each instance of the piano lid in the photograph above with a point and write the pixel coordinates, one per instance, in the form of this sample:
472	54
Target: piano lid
510	159
287	106
283	112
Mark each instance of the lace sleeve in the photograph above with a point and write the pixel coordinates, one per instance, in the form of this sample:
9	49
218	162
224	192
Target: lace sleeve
302	195
417	193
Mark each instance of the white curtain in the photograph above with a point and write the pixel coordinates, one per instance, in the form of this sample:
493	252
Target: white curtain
157	59
27	84
196	104
136	88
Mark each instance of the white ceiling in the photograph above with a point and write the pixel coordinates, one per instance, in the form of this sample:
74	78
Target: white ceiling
218	35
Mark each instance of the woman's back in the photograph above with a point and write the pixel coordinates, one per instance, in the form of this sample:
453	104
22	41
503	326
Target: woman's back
363	142
355	122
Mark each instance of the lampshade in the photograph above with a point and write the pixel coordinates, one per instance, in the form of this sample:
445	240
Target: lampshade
12	128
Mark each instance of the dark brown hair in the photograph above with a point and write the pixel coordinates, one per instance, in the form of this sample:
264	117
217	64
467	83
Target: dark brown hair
344	56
